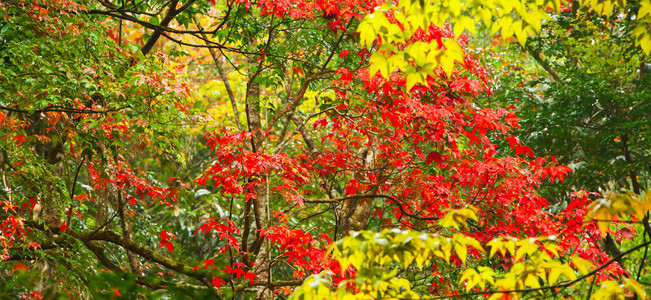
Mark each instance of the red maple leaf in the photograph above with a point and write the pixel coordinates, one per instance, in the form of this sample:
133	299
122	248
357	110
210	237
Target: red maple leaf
63	227
250	276
433	157
352	187
208	262
217	282
19	139
165	242
238	272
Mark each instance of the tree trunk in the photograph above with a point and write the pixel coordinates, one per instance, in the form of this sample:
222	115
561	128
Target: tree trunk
629	161
260	200
356	212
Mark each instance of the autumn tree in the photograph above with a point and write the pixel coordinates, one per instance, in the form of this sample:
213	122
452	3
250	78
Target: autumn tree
333	119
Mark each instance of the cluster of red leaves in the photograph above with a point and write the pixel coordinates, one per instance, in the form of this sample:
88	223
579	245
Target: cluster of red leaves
12	227
337	12
13	231
222	231
584	238
34	295
119	174
239	170
50	12
438	124
239	271
300	249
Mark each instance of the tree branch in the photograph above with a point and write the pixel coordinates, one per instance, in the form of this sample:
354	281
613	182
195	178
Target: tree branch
359	196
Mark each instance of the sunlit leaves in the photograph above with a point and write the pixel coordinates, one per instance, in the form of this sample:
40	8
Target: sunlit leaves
641	30
375	255
636	287
556	269
502	245
582	265
614	290
619	205
379	63
533	266
397	27
479	277
314	287
457	218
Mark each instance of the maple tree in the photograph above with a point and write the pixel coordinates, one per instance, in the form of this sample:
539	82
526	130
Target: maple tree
122	180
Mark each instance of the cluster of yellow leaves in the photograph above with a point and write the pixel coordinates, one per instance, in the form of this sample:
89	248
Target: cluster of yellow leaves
416	60
534	265
537	267
537	263
376	256
511	18
613	290
396	246
641	31
458	217
620	205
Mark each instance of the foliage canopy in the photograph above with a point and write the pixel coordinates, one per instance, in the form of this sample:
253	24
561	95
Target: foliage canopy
322	149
